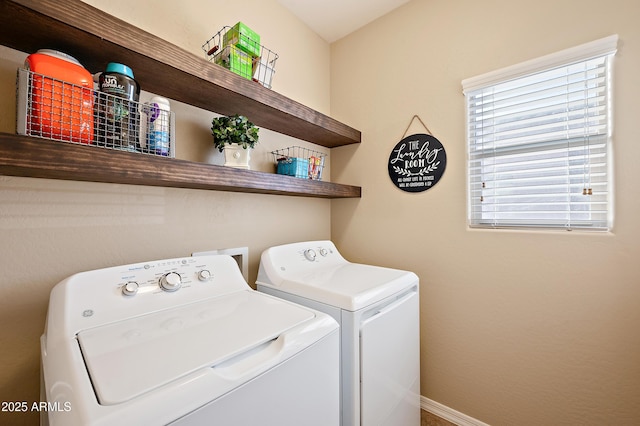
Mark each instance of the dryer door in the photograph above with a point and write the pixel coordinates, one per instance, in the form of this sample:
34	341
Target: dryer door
390	364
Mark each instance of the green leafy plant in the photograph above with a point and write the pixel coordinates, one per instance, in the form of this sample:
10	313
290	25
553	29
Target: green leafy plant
236	129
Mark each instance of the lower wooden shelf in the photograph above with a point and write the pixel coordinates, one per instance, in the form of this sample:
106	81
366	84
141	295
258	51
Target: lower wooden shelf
42	158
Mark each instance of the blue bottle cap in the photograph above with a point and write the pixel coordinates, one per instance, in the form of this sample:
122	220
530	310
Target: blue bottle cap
119	68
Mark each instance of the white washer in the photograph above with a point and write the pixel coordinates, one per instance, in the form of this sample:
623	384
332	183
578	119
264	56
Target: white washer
185	341
378	312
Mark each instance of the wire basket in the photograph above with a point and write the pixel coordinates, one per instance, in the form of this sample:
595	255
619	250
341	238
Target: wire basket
54	109
259	67
299	162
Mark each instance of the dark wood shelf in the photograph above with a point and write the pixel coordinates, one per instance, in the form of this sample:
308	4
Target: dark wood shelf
96	38
42	158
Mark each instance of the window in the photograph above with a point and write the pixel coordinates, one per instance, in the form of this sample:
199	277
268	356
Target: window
538	138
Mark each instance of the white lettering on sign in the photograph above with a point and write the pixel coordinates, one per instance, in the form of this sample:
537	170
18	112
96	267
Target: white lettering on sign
413	156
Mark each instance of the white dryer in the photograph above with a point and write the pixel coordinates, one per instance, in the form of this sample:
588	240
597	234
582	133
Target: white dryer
185	341
378	312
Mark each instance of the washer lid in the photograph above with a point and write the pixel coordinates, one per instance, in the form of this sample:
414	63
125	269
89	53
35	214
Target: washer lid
349	286
134	356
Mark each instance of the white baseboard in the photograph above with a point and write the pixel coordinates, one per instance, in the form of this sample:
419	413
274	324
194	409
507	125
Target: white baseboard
448	414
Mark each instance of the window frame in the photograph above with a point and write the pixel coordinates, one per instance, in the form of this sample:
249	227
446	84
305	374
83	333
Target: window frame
605	47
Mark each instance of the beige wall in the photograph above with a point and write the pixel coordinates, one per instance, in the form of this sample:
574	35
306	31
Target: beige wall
51	229
518	328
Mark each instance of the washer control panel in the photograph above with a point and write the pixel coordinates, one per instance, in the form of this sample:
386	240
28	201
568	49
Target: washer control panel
165	276
111	294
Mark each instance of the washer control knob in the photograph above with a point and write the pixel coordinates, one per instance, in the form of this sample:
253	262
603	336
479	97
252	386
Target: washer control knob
310	254
130	288
204	275
171	281
324	252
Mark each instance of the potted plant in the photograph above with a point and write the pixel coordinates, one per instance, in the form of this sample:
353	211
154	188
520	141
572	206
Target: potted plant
234	135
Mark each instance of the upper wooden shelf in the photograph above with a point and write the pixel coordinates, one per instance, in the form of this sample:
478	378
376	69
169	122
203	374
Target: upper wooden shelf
96	38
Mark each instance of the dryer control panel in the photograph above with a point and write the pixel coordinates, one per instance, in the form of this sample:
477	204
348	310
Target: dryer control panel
315	270
291	260
311	254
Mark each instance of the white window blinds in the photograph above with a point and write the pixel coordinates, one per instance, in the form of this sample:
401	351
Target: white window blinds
539	142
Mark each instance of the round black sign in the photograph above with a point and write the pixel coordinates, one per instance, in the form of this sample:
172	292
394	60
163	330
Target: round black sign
417	163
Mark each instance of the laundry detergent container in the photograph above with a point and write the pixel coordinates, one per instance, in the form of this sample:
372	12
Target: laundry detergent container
60	105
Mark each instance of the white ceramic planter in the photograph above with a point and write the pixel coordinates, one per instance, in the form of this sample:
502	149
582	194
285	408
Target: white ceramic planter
236	156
